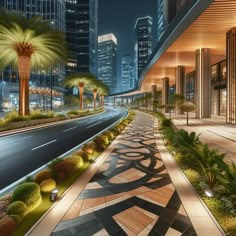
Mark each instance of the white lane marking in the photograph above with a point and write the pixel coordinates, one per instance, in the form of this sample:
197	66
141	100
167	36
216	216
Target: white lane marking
26	137
69	129
44	144
94	124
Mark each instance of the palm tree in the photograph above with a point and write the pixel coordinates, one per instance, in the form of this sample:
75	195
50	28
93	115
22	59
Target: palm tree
95	86
80	80
103	90
26	44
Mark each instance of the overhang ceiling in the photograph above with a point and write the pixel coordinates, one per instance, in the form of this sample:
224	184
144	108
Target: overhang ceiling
207	31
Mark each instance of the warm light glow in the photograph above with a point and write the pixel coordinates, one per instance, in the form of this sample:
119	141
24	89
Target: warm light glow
209	193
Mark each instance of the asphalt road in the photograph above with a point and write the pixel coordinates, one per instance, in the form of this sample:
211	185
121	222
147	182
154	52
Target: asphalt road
22	153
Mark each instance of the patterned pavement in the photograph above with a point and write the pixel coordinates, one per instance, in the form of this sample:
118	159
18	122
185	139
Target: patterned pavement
131	193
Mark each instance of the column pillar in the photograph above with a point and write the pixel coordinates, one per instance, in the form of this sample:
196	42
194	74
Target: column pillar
165	91
203	83
180	84
180	80
231	76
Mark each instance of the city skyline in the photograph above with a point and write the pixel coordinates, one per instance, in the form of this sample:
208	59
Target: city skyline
119	18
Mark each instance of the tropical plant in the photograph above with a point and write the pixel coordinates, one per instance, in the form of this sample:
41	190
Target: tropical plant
26	44
187	107
184	140
228	179
80	80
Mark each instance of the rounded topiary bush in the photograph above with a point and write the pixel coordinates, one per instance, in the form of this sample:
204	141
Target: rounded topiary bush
75	161
67	166
7	226
101	142
42	175
29	193
110	135
47	185
18	219
90	147
84	155
17	208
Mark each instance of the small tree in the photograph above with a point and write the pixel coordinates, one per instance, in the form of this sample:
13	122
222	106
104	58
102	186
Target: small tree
187	107
170	107
178	100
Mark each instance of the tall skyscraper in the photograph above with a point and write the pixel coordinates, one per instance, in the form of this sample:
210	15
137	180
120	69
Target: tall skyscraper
107	60
81	34
143	43
127	75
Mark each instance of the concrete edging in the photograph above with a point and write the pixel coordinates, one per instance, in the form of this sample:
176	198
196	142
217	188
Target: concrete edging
202	220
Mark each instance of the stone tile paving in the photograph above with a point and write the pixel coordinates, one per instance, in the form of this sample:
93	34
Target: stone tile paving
131	193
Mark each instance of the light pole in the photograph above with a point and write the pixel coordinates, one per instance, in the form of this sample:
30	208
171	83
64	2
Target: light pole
51	90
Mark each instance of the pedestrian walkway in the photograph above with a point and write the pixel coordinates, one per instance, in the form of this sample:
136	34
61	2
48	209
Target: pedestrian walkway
134	188
213	131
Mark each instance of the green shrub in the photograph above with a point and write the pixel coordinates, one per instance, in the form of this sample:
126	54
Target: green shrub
84	155
90	147
29	193
18	219
37	114
42	175
166	123
76	162
7	226
110	135
67	166
13	116
192	175
101	142
47	185
73	112
115	130
17	208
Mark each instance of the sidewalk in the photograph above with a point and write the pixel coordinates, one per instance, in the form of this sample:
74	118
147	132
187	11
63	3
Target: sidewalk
213	131
134	188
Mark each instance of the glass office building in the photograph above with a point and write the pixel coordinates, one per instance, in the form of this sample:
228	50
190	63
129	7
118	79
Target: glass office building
81	35
107	61
143	43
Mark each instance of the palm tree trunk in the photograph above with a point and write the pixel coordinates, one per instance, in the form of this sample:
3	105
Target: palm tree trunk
24	74
81	93
94	98
187	117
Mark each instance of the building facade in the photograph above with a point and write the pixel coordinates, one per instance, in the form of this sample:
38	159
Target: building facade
127	75
81	35
143	43
107	61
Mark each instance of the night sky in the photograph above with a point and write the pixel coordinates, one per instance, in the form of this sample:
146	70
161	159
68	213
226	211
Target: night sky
119	17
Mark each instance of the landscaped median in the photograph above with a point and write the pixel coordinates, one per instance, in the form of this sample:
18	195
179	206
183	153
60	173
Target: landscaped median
13	121
212	178
21	209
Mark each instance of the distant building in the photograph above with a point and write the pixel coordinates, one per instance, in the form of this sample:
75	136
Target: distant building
143	43
107	60
127	75
81	35
167	10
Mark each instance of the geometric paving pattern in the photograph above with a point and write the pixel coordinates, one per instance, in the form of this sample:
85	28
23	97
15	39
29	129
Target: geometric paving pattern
131	193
